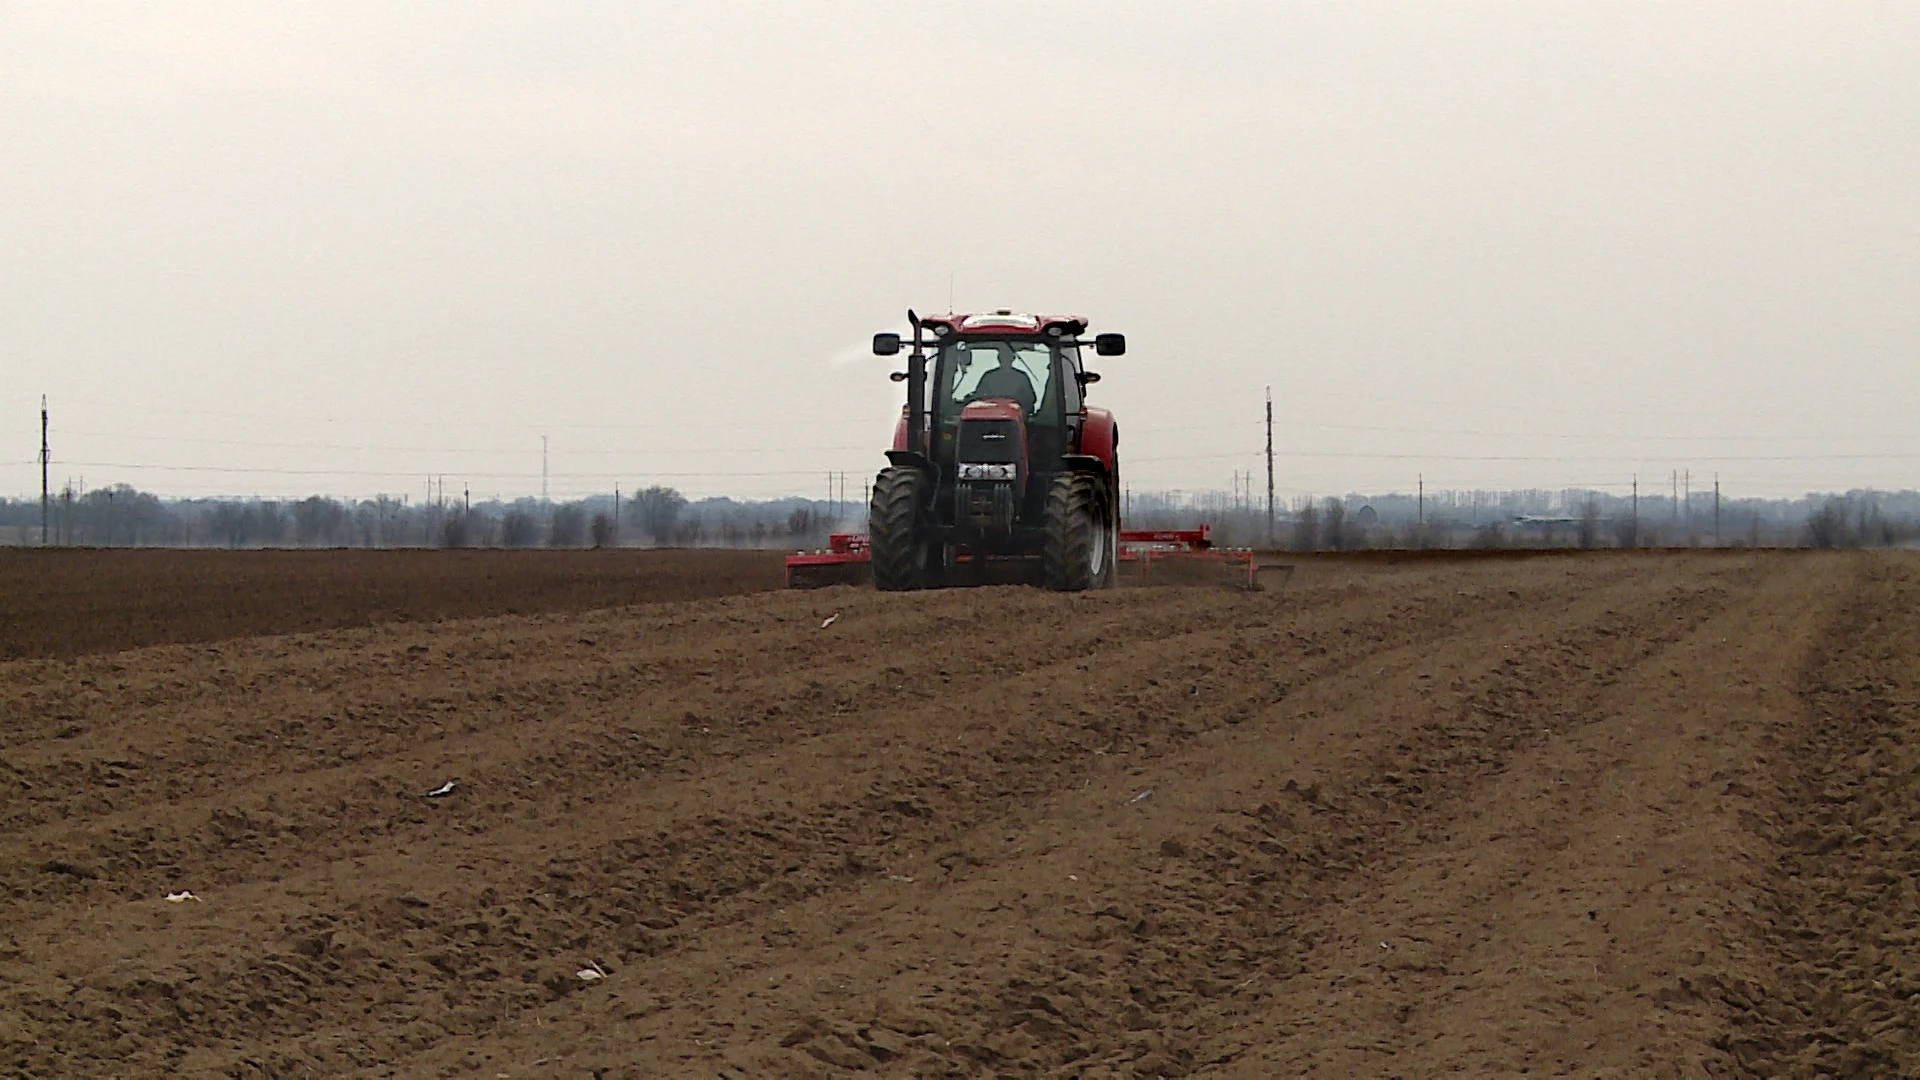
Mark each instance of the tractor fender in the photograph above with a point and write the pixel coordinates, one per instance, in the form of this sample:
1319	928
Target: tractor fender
900	431
1100	439
909	459
1084	463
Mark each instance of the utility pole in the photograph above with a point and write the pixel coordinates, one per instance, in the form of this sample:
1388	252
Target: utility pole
1269	467
45	496
1689	504
1674	506
1716	509
1636	510
543	470
616	514
1420	514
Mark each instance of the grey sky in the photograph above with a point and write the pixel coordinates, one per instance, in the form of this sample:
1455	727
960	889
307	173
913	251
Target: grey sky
1502	244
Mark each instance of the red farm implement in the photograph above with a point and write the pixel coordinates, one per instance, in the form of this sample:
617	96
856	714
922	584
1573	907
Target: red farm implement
845	561
1177	553
1155	556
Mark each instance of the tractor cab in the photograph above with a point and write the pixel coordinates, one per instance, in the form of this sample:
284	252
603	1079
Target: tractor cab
999	401
990	439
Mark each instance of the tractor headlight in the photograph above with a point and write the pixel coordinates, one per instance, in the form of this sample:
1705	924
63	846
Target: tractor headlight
988	472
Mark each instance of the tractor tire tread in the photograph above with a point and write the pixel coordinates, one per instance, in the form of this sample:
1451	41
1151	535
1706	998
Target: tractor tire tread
1073	504
893	527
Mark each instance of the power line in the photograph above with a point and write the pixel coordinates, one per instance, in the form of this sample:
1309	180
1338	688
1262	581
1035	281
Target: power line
145	409
415	475
197	440
1422	429
148	410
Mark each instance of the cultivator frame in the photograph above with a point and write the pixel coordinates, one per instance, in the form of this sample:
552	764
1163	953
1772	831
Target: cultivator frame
845	559
1181	547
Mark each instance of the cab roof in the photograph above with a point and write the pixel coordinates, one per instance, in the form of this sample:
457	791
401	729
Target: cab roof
1004	323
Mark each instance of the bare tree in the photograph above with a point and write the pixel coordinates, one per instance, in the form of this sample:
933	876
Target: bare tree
801	521
1830	527
455	532
569	527
317	521
233	523
657	510
1335	528
1306	528
518	529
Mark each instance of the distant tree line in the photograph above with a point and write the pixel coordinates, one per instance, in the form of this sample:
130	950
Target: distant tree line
1539	519
660	516
655	516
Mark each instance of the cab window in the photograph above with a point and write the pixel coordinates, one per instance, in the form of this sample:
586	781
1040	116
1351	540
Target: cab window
1069	386
978	370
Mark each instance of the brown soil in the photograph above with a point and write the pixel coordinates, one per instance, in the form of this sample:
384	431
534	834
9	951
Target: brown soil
63	603
1602	817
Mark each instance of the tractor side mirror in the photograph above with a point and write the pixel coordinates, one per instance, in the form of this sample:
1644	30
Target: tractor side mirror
1088	377
886	344
1109	344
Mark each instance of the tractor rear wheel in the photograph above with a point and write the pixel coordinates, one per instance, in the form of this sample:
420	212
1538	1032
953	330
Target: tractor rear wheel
1081	543
897	544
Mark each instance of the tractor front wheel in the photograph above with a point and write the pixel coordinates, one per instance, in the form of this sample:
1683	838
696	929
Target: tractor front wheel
1081	541
897	543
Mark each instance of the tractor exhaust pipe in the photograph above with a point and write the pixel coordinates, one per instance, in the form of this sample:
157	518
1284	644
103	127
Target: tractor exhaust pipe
917	392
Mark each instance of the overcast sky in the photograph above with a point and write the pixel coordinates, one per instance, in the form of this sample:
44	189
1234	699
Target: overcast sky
279	249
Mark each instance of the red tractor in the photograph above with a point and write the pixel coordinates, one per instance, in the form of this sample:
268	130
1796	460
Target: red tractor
999	468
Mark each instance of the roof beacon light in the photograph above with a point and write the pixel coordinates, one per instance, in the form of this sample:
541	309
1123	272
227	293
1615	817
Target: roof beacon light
1001	320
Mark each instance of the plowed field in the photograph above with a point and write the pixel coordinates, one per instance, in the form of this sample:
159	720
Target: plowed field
65	603
1605	816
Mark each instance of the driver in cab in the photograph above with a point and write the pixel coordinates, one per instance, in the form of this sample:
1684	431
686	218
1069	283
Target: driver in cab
1008	383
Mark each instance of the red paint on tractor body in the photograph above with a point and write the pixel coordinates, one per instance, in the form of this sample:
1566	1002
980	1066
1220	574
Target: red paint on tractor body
1001	409
1100	437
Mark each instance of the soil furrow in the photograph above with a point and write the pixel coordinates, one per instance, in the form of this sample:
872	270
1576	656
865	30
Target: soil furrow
1597	815
1833	988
